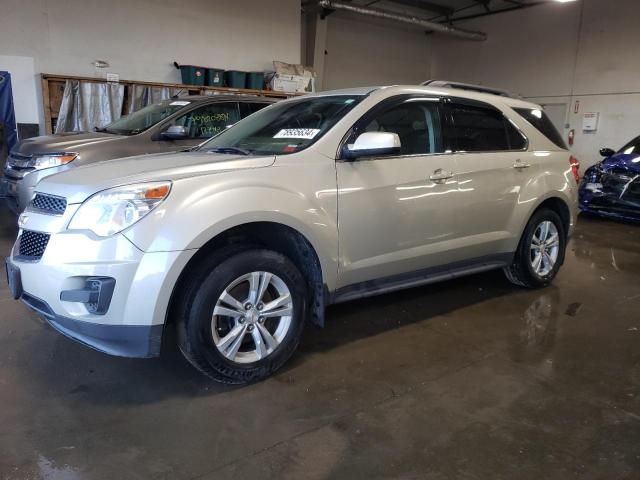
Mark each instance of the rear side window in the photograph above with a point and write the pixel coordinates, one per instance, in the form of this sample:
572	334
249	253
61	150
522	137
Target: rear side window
477	128
539	119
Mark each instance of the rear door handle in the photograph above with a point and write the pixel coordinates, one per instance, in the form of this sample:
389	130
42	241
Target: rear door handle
520	164
440	175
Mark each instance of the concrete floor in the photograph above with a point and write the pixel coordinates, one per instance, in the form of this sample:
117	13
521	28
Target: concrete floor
470	379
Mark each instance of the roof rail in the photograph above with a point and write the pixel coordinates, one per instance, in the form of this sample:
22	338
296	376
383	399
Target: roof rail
468	86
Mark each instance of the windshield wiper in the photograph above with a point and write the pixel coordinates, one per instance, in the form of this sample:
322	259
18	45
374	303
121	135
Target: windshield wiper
241	151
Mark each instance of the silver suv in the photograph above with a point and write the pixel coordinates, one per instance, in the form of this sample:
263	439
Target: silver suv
311	201
168	126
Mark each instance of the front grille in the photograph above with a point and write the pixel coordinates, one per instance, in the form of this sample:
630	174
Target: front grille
49	204
32	244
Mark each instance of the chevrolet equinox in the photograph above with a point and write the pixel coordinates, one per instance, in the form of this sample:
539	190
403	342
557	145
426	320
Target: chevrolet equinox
309	202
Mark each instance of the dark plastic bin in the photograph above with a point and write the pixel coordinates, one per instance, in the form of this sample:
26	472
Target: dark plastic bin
235	79
192	75
255	80
214	77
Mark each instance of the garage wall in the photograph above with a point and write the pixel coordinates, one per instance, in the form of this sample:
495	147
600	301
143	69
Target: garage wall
556	54
141	39
363	52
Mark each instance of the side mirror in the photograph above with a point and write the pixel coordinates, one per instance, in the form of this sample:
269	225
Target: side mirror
607	152
371	144
175	132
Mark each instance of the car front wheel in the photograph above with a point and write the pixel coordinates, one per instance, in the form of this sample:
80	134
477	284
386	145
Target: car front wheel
243	316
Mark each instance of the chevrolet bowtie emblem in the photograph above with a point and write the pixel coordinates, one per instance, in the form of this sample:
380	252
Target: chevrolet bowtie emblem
22	220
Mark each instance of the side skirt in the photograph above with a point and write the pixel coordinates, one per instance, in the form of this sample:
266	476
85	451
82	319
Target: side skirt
421	277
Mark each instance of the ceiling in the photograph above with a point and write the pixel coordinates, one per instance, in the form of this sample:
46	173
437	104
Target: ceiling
449	11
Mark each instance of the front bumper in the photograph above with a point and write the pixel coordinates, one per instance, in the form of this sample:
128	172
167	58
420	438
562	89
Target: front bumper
133	322
19	192
610	195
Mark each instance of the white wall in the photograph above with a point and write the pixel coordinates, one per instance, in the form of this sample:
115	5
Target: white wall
24	87
363	52
559	53
141	39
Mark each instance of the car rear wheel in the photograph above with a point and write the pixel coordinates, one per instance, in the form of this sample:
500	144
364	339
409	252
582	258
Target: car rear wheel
540	252
242	317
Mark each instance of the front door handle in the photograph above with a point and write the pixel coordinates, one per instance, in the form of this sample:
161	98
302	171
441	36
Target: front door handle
440	176
520	164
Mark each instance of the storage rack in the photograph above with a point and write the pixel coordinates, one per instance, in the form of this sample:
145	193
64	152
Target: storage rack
53	89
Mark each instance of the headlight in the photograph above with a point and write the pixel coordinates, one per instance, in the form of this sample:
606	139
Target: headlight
52	160
111	211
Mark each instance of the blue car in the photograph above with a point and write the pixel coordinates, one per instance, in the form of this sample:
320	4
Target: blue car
611	188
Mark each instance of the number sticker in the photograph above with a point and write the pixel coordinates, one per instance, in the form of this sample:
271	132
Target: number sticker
306	133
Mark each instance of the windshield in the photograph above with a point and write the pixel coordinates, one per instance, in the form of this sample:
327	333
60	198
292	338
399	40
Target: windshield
633	147
146	117
284	128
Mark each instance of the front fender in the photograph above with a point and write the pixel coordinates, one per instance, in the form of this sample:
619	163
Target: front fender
199	209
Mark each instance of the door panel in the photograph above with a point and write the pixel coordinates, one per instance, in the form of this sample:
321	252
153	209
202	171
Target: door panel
492	167
392	218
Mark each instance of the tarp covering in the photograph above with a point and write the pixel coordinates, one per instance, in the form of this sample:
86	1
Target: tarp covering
86	105
7	113
140	96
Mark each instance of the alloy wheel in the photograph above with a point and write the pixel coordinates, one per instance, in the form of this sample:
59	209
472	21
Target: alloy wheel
252	317
544	249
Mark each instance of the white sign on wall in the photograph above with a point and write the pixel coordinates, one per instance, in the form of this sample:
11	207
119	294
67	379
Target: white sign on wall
590	121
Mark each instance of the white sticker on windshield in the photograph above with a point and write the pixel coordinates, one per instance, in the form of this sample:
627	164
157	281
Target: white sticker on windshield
179	103
306	133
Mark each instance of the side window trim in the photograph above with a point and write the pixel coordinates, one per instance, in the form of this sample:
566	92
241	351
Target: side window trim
387	104
479	104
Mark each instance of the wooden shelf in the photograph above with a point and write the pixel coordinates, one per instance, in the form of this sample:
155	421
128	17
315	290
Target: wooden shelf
53	90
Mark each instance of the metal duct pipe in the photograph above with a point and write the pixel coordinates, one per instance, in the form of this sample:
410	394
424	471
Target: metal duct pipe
404	18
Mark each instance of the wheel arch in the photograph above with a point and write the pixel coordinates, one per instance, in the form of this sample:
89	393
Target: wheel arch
559	206
275	236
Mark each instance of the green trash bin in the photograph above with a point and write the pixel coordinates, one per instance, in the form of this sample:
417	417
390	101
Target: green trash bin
214	77
255	80
235	79
192	75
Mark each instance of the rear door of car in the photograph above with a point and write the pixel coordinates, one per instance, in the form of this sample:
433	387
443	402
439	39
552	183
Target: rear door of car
493	165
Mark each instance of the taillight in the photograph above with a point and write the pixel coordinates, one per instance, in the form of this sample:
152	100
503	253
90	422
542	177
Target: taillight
575	166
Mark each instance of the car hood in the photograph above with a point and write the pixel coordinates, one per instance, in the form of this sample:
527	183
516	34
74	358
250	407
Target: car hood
630	162
78	184
65	142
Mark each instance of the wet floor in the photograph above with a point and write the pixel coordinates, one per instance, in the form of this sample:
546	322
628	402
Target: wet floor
468	379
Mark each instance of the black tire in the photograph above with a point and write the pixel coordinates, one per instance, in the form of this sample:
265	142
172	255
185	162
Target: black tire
197	301
521	272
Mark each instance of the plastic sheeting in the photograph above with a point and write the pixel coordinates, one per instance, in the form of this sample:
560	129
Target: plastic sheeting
140	96
87	105
7	113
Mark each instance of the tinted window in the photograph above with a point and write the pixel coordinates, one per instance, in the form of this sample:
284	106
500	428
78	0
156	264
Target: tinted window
481	129
539	119
247	109
517	141
141	120
207	121
416	123
633	147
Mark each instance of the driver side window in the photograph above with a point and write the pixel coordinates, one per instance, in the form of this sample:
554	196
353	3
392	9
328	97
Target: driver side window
417	123
207	121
